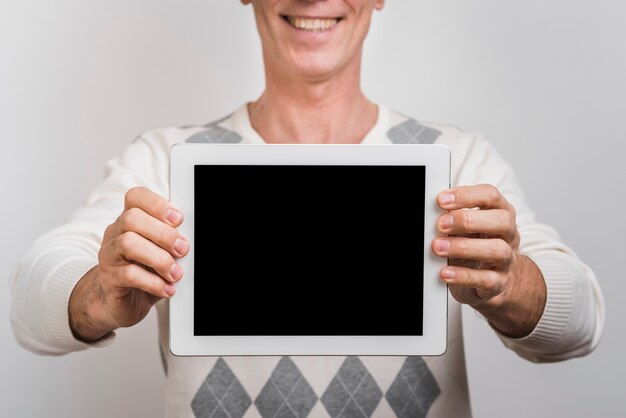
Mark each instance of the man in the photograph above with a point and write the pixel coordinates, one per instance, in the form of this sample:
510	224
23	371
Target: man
110	264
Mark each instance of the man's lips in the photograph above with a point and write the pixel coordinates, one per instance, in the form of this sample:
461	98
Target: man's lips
312	24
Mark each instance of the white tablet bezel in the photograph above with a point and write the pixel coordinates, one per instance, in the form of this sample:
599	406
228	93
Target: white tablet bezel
436	158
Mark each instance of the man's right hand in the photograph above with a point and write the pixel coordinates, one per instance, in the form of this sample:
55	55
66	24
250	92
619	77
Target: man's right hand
136	267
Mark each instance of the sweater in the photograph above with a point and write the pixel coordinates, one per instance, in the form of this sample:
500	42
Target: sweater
335	386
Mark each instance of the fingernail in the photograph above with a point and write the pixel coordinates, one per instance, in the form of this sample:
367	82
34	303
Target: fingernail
447	198
442	245
181	246
170	289
447	221
176	271
448	273
173	216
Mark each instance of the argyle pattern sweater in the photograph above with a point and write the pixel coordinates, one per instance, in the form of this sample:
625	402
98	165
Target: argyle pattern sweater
280	387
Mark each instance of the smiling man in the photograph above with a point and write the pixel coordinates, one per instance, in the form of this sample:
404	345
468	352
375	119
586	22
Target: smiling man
116	257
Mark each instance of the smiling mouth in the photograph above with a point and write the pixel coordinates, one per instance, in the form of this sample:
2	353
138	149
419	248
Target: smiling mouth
312	24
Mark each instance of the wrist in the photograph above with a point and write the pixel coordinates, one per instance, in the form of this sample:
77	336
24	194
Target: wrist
87	316
518	309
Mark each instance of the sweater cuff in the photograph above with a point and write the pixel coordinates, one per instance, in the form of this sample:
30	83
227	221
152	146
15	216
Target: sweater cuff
60	287
557	311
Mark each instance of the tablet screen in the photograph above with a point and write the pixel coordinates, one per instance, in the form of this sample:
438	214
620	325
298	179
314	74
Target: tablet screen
308	250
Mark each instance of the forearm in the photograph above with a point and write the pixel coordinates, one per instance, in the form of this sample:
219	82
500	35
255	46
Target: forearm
518	309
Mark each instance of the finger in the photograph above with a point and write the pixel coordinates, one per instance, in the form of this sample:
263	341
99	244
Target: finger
483	196
487	283
153	204
162	234
136	277
495	222
132	246
493	251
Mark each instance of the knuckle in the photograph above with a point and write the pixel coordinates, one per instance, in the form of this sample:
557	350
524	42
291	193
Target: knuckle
129	219
493	251
126	273
107	252
468	220
108	232
461	194
510	254
507	220
462	246
466	276
127	240
491	282
131	194
516	241
148	283
503	251
134	214
493	192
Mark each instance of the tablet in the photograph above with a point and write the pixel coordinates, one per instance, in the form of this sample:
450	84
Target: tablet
309	249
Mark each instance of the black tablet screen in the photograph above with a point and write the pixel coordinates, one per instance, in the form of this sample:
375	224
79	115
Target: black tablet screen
308	250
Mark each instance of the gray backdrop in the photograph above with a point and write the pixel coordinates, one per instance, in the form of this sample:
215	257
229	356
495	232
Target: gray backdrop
544	80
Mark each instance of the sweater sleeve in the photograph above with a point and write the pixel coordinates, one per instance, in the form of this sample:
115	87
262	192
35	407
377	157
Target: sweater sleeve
573	318
43	280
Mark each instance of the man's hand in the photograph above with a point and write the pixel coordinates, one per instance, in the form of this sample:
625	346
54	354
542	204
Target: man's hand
485	269
136	267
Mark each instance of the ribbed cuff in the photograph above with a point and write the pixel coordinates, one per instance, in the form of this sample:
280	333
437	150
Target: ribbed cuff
59	289
558	309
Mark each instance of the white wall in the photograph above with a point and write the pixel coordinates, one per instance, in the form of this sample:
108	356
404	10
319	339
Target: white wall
544	80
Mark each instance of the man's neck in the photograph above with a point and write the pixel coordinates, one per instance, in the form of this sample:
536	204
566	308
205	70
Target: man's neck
313	111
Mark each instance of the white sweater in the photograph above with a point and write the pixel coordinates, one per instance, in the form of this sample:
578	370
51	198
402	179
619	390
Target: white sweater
43	280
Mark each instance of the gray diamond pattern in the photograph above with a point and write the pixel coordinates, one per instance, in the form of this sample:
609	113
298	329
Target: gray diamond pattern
287	394
221	395
214	134
412	132
353	392
414	389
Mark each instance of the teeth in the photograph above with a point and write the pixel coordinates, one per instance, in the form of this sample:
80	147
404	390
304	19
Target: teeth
312	25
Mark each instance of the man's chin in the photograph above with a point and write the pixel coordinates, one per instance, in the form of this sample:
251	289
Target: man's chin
315	68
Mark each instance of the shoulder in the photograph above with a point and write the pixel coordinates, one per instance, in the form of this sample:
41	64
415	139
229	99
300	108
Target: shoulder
468	149
404	128
148	155
219	130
